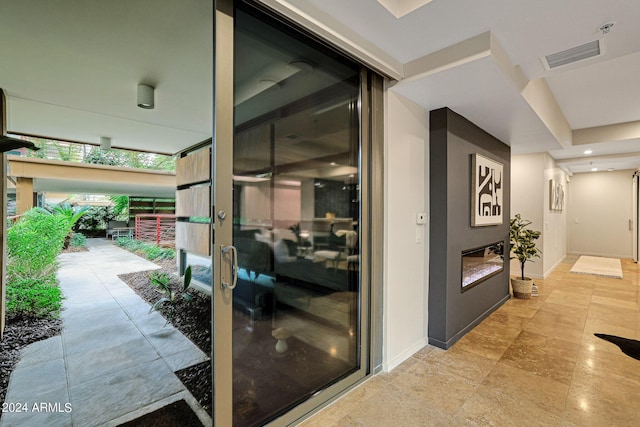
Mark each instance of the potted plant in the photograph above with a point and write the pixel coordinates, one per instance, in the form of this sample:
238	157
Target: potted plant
523	247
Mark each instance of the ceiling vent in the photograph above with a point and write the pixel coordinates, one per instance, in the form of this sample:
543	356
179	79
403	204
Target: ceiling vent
575	54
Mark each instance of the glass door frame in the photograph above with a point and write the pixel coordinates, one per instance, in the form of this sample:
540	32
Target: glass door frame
371	216
222	212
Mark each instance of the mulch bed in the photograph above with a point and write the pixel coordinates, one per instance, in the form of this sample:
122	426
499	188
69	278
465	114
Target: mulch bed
18	333
192	319
175	414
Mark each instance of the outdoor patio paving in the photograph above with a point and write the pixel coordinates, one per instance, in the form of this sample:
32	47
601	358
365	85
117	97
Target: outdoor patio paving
113	361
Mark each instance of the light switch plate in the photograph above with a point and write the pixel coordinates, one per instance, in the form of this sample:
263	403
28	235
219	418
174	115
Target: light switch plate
421	218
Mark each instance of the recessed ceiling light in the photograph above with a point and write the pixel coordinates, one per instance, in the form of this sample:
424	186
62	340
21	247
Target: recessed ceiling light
588	151
605	28
594	169
333	164
611	169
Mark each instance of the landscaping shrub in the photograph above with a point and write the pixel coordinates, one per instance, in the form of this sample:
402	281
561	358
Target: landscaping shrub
148	250
78	240
33	244
95	220
34	297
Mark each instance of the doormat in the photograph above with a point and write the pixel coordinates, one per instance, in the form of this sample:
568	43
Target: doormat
628	346
598	266
178	413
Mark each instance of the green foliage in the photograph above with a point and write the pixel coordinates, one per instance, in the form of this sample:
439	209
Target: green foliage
522	241
33	244
148	250
98	156
34	297
131	159
120	204
130	244
78	240
159	279
167	304
85	153
152	252
72	213
96	218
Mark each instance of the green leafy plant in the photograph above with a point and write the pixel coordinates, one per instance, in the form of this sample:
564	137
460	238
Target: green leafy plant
33	244
167	304
78	240
160	280
71	213
96	218
120	205
34	297
149	250
522	241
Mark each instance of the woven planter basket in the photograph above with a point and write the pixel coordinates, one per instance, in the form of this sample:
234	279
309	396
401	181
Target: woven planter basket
522	288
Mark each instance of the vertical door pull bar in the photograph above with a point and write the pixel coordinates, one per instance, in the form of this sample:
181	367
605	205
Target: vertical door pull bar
234	266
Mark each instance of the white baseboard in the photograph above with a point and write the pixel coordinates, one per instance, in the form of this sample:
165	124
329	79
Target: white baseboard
389	365
621	256
548	272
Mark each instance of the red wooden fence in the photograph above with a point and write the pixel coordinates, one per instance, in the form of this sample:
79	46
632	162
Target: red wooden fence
156	228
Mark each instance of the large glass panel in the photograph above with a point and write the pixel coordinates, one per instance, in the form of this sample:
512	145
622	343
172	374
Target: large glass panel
296	220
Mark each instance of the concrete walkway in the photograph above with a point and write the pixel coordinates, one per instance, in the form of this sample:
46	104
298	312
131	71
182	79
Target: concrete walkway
113	361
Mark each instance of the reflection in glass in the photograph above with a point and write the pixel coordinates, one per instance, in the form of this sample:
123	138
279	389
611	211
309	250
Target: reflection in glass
296	220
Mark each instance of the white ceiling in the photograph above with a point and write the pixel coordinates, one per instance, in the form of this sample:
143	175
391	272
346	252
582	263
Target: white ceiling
70	69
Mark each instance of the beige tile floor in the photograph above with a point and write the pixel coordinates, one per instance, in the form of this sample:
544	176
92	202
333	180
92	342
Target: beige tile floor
532	362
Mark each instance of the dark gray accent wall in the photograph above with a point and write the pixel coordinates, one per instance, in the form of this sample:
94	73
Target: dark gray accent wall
452	313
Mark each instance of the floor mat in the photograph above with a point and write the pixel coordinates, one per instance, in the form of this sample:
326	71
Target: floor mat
178	413
598	266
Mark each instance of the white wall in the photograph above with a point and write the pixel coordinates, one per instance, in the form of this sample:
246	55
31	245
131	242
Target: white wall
405	260
554	231
530	175
527	198
599	212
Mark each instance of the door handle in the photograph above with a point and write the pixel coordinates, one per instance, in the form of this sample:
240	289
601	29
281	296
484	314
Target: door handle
234	266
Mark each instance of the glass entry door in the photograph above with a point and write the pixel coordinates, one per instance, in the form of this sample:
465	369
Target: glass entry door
295	314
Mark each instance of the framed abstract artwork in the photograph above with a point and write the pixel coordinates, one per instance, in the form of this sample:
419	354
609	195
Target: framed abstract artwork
487	191
556	196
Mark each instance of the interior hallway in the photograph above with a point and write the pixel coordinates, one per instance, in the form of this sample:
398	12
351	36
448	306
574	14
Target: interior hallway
532	362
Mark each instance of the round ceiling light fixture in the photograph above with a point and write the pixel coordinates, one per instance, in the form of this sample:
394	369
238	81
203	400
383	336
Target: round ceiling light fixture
146	97
301	65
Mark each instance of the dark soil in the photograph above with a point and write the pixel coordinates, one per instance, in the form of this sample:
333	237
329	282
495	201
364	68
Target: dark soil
18	333
176	414
193	319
